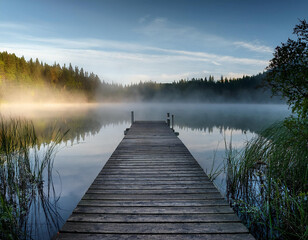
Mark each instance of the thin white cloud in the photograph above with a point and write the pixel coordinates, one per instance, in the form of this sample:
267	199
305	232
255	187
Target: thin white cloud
160	29
236	75
165	77
254	47
163	30
123	50
17	28
136	78
160	20
11	25
144	18
218	59
216	63
178	76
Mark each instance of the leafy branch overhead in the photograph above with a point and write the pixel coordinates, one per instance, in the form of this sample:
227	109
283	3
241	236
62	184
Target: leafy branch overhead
288	71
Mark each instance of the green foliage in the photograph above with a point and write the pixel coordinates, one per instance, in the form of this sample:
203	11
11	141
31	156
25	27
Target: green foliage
288	70
1	71
8	221
214	171
268	183
25	180
16	72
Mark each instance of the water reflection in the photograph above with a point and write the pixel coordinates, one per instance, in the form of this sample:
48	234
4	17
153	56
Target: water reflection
96	130
27	196
88	119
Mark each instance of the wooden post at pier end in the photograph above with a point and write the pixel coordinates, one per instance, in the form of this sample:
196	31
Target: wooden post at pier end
168	119
132	117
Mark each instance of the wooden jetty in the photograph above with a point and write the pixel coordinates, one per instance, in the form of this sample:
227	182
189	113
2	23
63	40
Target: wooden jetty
152	188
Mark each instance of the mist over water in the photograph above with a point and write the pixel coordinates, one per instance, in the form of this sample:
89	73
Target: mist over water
88	119
95	130
31	94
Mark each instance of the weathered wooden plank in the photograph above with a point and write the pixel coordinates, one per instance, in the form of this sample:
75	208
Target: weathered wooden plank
151	168
150	182
146	178
154	171
162	218
150	186
153	165
242	236
153	191
153	210
154	228
153	174
212	195
151	203
152	159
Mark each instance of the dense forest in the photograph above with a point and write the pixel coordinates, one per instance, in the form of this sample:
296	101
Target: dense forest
245	89
16	73
40	81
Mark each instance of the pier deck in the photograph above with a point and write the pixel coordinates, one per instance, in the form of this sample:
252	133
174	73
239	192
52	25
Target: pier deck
152	188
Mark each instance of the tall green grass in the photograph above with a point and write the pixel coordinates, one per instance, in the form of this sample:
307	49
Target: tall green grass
26	188
267	182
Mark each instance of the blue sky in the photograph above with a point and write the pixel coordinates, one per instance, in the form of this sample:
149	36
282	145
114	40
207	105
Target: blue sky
127	41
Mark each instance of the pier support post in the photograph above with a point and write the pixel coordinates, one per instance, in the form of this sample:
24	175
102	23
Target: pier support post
172	122
168	119
132	117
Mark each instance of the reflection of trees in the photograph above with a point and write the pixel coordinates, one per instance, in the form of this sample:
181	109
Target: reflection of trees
80	123
78	128
206	117
226	119
86	121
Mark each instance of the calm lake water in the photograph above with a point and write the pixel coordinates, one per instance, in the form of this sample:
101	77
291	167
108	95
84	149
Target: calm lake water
96	130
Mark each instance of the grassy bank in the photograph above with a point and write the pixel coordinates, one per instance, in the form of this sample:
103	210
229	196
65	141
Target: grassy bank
27	196
267	182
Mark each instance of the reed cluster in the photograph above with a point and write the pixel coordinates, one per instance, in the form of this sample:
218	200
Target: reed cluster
267	182
27	196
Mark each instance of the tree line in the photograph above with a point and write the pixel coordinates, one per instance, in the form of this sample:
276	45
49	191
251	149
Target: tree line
245	89
16	72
